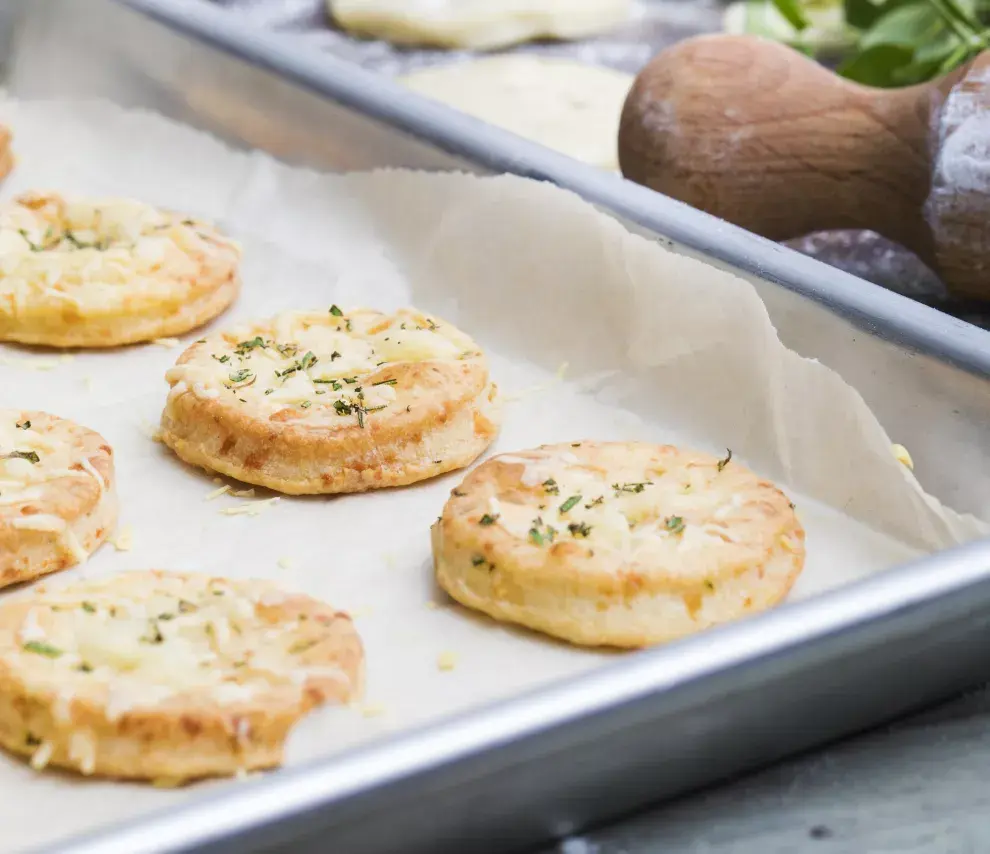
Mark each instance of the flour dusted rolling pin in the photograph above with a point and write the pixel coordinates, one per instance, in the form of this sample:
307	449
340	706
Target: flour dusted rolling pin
761	136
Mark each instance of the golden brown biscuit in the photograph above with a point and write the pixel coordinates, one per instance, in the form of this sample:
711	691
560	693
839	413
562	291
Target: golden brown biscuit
58	499
323	402
101	273
6	152
167	676
622	544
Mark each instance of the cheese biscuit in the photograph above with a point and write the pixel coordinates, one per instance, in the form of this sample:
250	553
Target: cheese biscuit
103	273
58	499
166	676
332	401
622	544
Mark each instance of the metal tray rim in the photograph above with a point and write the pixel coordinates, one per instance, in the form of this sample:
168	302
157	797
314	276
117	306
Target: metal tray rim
891	315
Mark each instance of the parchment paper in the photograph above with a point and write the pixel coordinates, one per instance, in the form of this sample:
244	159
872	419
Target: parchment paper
657	347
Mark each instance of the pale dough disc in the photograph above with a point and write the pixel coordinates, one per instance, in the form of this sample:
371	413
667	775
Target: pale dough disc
107	272
478	24
565	105
617	543
167	676
332	401
58	499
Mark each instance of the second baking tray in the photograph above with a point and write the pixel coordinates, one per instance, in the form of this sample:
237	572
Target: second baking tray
659	723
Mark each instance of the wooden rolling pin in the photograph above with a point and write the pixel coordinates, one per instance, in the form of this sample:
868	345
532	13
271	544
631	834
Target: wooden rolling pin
757	134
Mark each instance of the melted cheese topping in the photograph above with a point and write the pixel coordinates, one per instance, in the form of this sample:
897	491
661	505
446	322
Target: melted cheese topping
142	639
628	504
32	455
318	366
102	255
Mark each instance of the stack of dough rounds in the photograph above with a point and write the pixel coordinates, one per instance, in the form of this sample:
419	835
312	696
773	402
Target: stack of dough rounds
101	273
478	24
6	152
325	402
620	544
565	105
57	494
164	676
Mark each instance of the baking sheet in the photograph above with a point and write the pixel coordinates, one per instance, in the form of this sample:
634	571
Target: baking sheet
657	347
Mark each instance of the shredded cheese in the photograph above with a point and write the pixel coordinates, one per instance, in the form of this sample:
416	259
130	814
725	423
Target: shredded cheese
124	540
447	661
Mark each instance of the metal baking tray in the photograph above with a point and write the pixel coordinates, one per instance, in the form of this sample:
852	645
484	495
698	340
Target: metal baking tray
655	724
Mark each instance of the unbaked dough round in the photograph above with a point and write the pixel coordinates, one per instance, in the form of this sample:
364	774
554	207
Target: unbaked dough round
158	675
617	543
58	498
568	106
107	272
478	24
332	401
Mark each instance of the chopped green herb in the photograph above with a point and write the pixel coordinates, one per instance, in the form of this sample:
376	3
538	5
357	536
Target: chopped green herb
336	312
89	607
243	376
154	633
302	646
221	359
185	606
23	425
308	361
31	740
540	537
200	341
246	346
488	519
286	349
724	462
84	667
268	391
306	404
579	529
599	500
674	524
166	616
477	560
631	487
550	487
386	382
42	648
458	493
30	456
342	407
348	324
350	380
569	503
709	584
334	356
575	444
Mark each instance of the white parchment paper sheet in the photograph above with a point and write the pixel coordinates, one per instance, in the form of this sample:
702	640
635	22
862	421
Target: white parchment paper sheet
658	347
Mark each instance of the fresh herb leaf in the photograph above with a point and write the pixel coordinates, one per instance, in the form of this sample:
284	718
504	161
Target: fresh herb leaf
386	382
579	529
336	312
793	13
306	404
89	607
221	359
243	376
334	356
631	487
550	487
42	648
477	560
725	460
488	519
674	524
30	456
599	500
569	503
23	425
308	361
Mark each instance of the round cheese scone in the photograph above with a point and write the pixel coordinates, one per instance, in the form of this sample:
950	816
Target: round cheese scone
102	273
58	500
167	676
621	544
325	402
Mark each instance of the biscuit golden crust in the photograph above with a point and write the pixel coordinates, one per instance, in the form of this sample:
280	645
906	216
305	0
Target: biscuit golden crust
6	152
167	676
328	402
616	543
58	498
103	273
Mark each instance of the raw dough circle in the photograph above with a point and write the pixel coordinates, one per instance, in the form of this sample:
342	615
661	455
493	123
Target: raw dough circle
478	24
565	105
58	501
102	273
623	544
325	402
157	675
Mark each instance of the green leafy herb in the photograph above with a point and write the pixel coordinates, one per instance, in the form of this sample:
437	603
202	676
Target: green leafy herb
83	667
89	607
221	359
308	361
725	460
336	312
42	648
488	519
23	425
306	404
242	377
674	524
386	382
154	635
599	500
709	584
334	356
579	529
477	560
31	740
631	487
569	503
30	456
550	487
541	533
